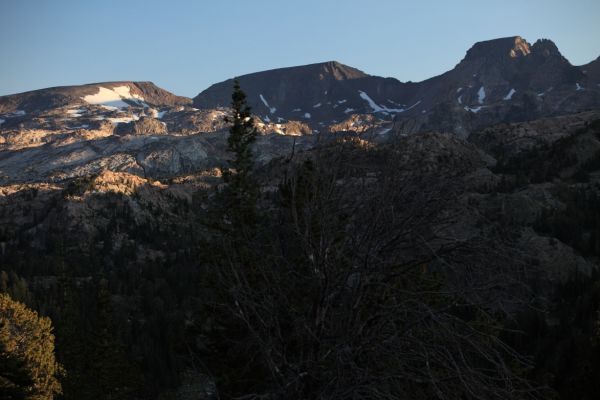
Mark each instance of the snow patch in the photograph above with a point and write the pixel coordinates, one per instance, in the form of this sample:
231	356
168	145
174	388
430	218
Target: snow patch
481	95
510	94
18	113
317	105
372	104
578	87
348	110
307	115
378	108
123	120
459	99
160	114
544	92
342	101
414	105
459	89
75	112
113	98
382	109
271	109
383	132
112	108
296	110
473	109
2	121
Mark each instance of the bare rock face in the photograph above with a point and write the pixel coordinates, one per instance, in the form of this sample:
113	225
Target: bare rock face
510	140
187	120
143	126
443	152
119	182
359	123
288	128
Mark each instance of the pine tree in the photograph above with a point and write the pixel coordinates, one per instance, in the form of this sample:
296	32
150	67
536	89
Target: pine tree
232	253
240	194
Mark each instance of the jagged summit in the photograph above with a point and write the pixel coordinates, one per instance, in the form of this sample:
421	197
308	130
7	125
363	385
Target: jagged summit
508	47
545	48
511	48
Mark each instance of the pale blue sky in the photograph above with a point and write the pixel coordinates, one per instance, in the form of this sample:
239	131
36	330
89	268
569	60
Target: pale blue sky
184	46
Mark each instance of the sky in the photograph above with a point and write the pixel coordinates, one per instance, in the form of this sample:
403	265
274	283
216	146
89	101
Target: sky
185	46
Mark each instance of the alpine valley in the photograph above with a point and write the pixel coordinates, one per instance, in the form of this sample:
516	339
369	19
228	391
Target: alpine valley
486	179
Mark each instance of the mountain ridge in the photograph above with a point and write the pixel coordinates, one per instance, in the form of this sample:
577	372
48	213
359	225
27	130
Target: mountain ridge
497	81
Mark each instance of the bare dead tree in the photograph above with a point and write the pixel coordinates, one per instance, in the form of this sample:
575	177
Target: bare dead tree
352	289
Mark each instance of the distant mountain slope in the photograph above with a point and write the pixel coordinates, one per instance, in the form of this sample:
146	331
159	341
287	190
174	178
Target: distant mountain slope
324	93
500	80
94	93
592	72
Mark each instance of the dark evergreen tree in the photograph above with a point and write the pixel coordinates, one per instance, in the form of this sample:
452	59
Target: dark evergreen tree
240	194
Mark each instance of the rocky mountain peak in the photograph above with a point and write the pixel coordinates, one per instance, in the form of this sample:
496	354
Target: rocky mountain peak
329	70
521	48
498	49
340	72
545	48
